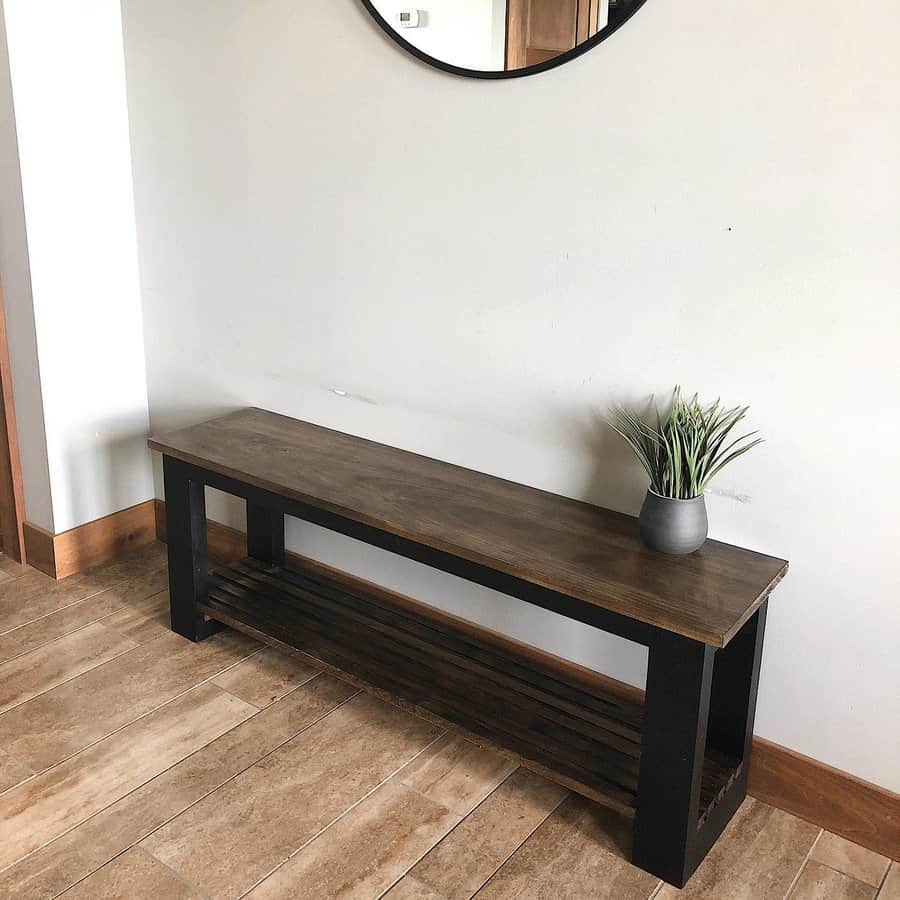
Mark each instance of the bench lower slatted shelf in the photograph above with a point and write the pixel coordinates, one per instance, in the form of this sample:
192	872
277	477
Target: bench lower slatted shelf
571	724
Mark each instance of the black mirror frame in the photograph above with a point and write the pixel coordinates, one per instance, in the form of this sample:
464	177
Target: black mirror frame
560	60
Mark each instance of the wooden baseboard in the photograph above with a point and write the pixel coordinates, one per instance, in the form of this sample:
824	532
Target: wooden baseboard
39	550
91	544
864	813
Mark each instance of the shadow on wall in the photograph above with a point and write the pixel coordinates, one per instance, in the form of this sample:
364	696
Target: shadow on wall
617	480
182	415
102	470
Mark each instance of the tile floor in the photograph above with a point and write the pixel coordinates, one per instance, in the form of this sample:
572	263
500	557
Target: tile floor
136	764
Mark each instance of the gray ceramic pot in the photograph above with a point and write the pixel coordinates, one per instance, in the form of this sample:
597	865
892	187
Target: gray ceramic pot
673	526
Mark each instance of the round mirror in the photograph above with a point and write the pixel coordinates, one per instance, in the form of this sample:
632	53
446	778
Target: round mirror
500	38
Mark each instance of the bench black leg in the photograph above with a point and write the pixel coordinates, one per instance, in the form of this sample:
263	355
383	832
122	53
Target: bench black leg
732	708
265	534
697	697
186	536
679	684
732	712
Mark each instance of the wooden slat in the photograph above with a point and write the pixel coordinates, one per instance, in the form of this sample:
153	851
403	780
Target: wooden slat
449	703
570	728
719	773
607	711
519	654
444	673
418	681
227	546
577	550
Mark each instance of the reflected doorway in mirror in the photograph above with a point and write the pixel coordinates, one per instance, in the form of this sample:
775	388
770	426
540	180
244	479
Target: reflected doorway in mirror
539	30
500	38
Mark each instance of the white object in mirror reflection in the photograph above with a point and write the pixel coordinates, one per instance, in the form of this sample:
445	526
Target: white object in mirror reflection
409	18
501	35
467	33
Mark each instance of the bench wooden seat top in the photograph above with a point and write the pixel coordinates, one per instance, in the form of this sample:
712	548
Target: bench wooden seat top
575	549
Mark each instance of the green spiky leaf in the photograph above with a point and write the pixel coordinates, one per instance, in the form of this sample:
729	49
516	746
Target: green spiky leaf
684	449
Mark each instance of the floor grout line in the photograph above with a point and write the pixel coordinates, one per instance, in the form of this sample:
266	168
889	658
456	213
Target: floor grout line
178	876
462	819
89	596
806	858
484	883
856	878
54	611
522	842
349	809
884	878
115	731
509	856
23	570
195	802
99	619
76	629
195	893
92	743
61	636
408	876
81	627
128	607
70	678
296	687
425	796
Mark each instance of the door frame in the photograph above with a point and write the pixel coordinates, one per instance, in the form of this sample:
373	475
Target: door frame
12	495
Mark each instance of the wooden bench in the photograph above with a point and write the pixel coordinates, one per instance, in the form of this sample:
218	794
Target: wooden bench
677	762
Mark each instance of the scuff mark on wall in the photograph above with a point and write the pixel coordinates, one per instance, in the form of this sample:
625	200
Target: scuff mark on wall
348	396
731	494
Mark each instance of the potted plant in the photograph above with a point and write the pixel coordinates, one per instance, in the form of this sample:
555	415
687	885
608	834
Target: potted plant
681	453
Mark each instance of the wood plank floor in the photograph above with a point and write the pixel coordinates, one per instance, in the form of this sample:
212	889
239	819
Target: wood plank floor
135	764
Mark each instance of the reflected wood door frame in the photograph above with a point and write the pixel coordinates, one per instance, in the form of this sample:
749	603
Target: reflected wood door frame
516	33
12	503
518	12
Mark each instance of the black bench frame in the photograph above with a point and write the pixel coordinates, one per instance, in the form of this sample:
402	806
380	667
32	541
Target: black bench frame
697	696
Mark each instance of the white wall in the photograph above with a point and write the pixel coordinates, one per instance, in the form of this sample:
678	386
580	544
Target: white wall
467	33
68	87
15	284
709	198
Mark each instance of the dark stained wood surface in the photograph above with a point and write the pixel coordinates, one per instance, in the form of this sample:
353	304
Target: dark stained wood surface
592	554
563	721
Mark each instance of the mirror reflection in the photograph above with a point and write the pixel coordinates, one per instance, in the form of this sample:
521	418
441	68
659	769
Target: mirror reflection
500	35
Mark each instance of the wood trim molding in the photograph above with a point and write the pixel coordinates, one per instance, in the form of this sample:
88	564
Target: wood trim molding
91	544
857	810
12	497
39	550
862	812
